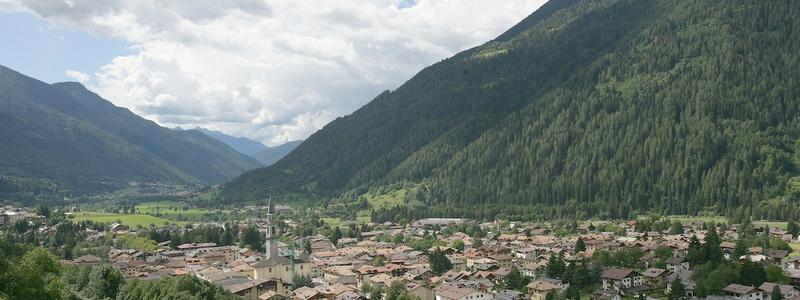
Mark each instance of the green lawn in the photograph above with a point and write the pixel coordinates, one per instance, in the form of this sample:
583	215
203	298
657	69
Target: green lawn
132	220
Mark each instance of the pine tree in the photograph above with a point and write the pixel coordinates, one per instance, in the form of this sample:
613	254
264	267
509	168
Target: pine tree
515	280
677	290
776	293
439	262
580	245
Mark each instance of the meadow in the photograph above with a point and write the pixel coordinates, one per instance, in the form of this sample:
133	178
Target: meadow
132	220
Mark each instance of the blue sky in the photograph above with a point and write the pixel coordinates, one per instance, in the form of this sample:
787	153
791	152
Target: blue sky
45	51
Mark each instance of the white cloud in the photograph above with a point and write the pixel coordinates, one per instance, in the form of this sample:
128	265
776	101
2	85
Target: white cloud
273	71
80	77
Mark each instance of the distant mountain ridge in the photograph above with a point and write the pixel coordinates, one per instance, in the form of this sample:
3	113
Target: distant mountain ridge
243	145
265	154
586	108
65	134
272	155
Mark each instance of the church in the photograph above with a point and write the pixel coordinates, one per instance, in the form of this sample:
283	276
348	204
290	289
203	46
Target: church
278	266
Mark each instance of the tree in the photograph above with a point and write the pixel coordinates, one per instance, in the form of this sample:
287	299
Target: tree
580	245
458	245
793	228
439	262
711	249
376	293
251	238
676	227
43	211
515	280
740	249
335	235
751	273
776	275
21	226
307	246
477	243
181	287
104	282
677	290
398	238
397	291
555	267
301	281
776	293
695	253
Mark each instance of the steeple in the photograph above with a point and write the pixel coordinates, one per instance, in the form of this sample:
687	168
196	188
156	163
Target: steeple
271	245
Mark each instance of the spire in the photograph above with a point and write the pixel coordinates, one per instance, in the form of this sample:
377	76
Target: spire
270	207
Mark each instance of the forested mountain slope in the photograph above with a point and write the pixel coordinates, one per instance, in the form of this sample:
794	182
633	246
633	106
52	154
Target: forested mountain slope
62	136
602	107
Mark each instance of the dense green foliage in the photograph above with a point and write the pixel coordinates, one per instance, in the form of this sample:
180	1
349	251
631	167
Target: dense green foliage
64	137
182	287
602	108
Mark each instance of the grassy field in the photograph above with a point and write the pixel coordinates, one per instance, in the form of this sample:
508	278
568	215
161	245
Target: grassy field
132	220
391	199
718	219
796	248
169	208
332	221
689	219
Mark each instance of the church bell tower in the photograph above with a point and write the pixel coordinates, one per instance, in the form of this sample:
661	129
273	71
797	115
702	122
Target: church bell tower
271	245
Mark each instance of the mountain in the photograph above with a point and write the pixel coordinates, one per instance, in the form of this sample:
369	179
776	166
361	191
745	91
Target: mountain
63	136
243	145
271	155
603	108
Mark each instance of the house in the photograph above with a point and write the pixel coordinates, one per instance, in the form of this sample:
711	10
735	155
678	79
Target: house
775	256
606	295
421	291
87	260
727	249
655	277
441	222
307	293
456	292
503	260
616	279
118	228
685	276
743	292
676	263
510	295
539	289
787	291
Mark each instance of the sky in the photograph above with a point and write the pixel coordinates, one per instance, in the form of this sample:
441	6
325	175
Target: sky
269	70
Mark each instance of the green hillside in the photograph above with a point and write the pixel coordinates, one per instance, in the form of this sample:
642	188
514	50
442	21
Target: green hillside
606	108
64	139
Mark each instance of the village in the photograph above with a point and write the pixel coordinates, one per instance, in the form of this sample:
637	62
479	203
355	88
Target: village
509	261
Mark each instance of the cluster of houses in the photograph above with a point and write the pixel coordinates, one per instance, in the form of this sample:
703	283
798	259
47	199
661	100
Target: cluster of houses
352	267
10	214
